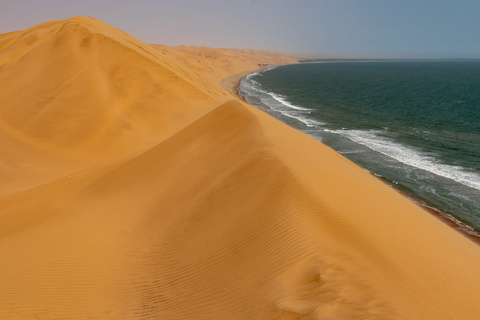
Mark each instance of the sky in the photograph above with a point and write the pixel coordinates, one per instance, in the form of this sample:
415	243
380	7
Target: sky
366	28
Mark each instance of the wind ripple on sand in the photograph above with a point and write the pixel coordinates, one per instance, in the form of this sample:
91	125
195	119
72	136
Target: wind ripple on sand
238	235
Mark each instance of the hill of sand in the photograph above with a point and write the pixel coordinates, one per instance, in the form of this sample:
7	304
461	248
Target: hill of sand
135	187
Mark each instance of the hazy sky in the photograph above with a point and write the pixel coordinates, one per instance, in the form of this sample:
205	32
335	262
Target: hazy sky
381	28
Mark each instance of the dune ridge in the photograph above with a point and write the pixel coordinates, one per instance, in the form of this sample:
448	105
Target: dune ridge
136	187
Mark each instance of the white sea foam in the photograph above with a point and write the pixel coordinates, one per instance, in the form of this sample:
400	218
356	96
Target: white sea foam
280	99
411	157
279	103
259	72
249	77
309	122
285	102
256	86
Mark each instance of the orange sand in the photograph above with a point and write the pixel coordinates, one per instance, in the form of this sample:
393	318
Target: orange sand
135	187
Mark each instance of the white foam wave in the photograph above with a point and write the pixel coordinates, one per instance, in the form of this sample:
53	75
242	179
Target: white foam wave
278	103
256	86
411	157
259	72
280	99
309	122
249	77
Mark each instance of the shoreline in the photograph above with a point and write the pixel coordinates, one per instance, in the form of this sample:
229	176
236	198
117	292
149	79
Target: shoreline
441	215
231	84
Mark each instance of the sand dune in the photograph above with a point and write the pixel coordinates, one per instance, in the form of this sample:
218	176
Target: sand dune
136	187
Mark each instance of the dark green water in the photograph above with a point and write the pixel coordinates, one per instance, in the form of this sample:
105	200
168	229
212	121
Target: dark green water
415	124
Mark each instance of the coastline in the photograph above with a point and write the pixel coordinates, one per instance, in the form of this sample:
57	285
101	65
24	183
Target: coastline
232	83
445	217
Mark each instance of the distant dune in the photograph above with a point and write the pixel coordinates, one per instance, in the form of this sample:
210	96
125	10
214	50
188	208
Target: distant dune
134	186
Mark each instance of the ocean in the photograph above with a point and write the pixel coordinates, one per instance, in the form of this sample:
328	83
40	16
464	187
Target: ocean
413	124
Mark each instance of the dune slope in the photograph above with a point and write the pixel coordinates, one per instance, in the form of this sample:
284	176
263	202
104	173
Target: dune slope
78	91
135	188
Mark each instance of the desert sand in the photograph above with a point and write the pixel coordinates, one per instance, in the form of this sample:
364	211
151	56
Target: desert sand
134	186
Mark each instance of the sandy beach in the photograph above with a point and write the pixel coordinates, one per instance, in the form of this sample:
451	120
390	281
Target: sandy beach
136	186
232	82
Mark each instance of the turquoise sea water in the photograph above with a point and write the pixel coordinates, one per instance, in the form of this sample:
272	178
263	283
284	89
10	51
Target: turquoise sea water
415	124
